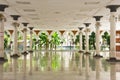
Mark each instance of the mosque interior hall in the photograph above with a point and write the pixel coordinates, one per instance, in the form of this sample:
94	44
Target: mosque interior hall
59	39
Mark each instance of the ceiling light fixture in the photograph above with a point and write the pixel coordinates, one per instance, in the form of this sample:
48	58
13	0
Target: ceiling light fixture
90	3
22	2
29	10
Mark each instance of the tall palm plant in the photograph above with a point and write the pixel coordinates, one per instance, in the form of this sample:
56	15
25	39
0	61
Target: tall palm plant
43	40
55	39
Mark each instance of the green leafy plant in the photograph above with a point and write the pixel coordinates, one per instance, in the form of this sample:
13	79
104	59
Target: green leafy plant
43	40
6	40
55	39
106	39
92	41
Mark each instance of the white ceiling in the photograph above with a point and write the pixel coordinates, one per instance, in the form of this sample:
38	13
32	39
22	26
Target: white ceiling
58	14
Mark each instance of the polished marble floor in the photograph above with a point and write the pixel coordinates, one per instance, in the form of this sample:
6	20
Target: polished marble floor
64	65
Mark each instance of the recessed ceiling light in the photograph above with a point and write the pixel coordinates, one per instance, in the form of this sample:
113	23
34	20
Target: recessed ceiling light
91	3
29	10
22	2
33	14
57	12
35	18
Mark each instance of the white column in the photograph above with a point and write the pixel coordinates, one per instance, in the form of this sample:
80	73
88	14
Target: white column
113	9
15	50
1	46
24	52
2	59
80	38
87	39
112	35
97	38
25	39
31	55
2	37
97	35
15	43
87	30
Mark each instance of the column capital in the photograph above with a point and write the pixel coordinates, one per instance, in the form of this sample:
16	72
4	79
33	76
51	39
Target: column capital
24	30
31	28
113	8
87	30
15	24
98	24
87	24
80	28
97	18
2	17
25	24
2	7
15	17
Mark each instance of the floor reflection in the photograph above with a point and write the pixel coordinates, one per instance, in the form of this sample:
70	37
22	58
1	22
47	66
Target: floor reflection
56	65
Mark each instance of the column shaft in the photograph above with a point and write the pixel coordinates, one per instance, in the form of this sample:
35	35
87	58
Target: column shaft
15	48
87	41
97	39
2	38
25	39
112	35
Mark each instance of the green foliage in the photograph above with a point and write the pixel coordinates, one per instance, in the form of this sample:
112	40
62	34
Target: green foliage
20	37
77	39
55	39
83	42
6	40
34	43
43	40
106	38
92	41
